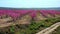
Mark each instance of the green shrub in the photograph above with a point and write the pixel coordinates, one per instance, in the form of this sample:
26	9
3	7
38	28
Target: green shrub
12	29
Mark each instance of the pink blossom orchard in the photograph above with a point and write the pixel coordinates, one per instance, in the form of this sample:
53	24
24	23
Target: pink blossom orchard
18	13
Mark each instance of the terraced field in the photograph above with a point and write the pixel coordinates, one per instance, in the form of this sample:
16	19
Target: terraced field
28	21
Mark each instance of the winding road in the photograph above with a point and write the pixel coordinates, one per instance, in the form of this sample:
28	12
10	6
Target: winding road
49	29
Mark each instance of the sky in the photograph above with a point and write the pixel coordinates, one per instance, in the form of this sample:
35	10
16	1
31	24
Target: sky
30	3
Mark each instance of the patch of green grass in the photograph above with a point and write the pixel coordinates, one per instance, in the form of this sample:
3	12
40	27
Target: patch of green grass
12	29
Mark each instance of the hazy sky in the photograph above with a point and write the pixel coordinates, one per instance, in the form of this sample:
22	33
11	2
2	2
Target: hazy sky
30	3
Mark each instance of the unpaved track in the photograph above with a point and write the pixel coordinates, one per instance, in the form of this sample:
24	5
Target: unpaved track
5	20
24	20
49	29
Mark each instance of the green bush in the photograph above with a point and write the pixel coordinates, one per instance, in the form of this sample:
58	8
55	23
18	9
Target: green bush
12	29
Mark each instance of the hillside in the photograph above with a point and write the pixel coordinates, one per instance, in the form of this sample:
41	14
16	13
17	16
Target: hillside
27	21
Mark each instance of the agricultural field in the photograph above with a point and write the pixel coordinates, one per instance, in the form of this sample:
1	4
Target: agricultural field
29	21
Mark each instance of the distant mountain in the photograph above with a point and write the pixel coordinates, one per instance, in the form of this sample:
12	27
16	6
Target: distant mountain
56	8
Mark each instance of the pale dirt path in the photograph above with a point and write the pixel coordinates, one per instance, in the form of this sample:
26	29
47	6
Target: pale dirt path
5	20
24	20
49	29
